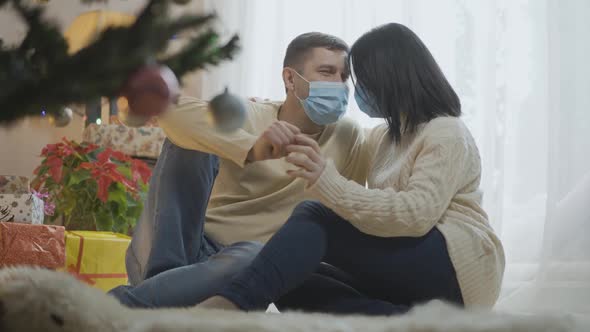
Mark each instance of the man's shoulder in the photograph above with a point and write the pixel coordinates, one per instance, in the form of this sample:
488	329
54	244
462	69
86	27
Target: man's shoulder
264	106
263	111
188	102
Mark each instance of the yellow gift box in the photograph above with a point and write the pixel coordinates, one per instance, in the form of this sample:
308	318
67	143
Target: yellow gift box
97	258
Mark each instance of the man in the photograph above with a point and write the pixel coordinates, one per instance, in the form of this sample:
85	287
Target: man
215	197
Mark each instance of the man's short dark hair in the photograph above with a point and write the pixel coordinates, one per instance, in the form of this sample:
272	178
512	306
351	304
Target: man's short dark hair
299	47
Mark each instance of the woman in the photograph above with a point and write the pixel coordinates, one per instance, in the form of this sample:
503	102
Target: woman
418	232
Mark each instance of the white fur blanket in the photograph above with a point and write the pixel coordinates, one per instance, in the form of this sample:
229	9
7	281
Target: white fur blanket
40	300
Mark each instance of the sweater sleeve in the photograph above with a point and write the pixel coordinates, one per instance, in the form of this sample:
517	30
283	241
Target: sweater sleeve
413	212
188	126
358	158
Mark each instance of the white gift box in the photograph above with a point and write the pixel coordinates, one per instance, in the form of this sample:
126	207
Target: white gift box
21	208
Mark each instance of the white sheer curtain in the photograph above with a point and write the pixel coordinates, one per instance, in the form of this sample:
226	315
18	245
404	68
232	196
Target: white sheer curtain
522	71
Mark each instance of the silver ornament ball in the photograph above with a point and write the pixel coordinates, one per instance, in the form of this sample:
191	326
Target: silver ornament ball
227	111
63	117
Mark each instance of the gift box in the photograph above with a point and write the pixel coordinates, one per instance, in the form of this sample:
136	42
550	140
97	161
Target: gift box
11	184
38	245
97	258
143	142
21	208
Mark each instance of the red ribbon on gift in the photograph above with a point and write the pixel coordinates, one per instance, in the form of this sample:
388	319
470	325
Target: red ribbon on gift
88	277
75	271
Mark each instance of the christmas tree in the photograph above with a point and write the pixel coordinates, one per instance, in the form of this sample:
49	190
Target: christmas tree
39	75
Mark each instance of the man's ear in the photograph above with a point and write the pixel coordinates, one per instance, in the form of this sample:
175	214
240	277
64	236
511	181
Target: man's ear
288	79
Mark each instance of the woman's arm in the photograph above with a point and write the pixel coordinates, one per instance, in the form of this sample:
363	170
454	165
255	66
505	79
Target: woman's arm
436	178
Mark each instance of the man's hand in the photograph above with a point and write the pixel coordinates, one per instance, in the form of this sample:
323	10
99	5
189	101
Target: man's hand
273	142
306	155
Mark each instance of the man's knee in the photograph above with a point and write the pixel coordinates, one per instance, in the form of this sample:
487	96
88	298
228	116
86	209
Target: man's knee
181	158
251	248
243	253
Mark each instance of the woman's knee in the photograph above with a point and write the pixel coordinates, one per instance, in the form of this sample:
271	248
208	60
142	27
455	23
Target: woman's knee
311	208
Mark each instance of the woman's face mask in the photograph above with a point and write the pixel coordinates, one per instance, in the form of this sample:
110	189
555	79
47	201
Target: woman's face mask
365	103
326	102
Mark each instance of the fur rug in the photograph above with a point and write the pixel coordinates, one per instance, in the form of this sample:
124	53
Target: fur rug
41	300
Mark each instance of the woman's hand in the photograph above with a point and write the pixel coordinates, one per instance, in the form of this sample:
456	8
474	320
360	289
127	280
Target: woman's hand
306	154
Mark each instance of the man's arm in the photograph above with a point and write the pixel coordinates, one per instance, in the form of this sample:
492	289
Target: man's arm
189	127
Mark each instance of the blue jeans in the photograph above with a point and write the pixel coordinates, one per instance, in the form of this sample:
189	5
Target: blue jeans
171	262
385	275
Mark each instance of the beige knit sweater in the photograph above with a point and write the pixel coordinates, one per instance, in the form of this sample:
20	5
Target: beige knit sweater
251	201
431	179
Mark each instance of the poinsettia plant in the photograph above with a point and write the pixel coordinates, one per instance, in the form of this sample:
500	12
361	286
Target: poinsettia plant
91	188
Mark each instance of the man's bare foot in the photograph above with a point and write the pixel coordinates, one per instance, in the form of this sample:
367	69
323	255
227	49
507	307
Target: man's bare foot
218	302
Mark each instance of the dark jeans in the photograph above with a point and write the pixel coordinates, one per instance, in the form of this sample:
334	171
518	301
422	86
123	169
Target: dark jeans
375	276
171	262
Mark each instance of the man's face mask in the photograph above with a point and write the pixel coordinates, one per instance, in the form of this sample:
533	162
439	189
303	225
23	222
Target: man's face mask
326	102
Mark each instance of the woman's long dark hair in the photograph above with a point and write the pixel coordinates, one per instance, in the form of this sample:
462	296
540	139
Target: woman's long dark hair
401	79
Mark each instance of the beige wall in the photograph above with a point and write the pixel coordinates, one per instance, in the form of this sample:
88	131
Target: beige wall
21	143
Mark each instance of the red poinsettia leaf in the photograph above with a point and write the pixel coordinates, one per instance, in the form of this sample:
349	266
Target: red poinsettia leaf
69	150
140	170
49	148
55	168
104	156
89	148
109	167
118	177
103	188
120	156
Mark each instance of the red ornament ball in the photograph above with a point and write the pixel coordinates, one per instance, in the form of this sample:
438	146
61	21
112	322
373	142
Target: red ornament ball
151	90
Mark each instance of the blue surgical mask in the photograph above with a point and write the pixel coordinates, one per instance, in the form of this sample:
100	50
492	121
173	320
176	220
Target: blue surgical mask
326	102
365	103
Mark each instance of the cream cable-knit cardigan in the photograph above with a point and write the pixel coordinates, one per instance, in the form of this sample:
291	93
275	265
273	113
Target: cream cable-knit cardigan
430	179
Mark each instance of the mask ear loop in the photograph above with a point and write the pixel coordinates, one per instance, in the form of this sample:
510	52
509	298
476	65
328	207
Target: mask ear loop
303	78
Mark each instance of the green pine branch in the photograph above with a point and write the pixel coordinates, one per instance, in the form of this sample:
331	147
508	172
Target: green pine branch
39	74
